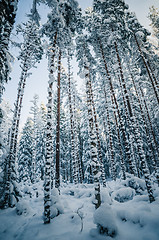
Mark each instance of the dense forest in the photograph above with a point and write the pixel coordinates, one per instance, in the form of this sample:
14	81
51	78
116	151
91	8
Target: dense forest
100	145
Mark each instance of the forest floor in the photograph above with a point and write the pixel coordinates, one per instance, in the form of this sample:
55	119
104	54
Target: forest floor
134	217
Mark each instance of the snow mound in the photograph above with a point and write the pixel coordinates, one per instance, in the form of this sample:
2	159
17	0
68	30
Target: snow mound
105	220
105	197
123	194
56	205
23	208
143	214
136	183
79	191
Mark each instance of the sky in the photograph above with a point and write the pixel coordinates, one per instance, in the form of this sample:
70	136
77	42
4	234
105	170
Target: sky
37	82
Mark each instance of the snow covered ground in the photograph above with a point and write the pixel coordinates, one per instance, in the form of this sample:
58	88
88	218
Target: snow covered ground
125	208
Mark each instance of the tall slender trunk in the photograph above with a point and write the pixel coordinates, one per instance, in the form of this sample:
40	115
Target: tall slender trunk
136	132
146	66
153	135
93	146
57	175
34	148
8	10
97	133
148	115
114	101
153	75
76	142
74	163
148	134
112	154
129	131
11	175
49	139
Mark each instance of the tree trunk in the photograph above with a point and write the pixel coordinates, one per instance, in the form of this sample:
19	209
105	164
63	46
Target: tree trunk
11	174
148	135
146	66
136	132
97	133
49	140
112	154
76	141
7	18
74	163
57	175
93	148
114	101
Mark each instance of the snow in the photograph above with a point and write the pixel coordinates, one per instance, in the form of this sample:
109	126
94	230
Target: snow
124	194
133	219
104	217
23	208
56	205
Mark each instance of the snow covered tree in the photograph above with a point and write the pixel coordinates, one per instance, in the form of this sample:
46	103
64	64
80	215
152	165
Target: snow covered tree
8	10
30	53
41	142
61	24
85	63
57	176
34	111
4	141
109	18
154	17
25	152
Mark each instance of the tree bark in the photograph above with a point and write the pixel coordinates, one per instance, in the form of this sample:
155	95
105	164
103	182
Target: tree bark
57	175
93	147
49	141
146	66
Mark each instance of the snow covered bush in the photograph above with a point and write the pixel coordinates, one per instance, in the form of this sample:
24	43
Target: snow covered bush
105	220
123	194
136	183
23	208
56	205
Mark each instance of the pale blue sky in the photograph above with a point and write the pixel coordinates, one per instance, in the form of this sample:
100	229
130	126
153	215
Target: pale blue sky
37	83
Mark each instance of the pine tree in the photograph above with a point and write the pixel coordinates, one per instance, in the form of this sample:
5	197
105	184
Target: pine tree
30	53
8	10
25	152
41	142
4	142
85	63
73	153
34	111
59	29
57	177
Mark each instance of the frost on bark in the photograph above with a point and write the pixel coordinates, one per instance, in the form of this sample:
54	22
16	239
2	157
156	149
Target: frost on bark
97	133
147	68
11	192
78	160
57	174
49	137
34	110
112	154
29	55
115	103
92	140
135	128
8	10
74	162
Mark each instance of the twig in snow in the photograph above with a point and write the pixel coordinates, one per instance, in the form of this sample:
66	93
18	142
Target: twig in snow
80	214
